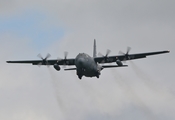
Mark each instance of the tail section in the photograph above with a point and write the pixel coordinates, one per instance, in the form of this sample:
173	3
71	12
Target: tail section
94	50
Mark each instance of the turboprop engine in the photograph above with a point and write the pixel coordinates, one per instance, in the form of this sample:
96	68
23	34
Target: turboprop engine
57	67
119	63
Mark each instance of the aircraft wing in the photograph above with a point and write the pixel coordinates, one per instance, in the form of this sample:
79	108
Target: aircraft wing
48	62
125	57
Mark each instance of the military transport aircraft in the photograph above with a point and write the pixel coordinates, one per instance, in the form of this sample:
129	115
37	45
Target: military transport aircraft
89	66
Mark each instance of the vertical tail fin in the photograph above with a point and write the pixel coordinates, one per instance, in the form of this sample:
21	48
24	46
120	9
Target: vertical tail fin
94	50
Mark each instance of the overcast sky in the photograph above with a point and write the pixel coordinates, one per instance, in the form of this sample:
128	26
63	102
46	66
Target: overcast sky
144	90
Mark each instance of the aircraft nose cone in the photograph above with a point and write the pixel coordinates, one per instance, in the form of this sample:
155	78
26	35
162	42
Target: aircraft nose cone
80	61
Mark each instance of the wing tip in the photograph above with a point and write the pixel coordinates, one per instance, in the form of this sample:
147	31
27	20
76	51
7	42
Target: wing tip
166	51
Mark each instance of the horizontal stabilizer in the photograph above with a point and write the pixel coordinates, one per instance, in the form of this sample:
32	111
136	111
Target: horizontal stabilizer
111	66
70	69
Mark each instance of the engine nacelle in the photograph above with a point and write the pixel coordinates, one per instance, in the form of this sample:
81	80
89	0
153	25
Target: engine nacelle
57	67
119	63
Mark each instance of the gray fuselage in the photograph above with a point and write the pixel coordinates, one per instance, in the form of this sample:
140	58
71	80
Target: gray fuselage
86	66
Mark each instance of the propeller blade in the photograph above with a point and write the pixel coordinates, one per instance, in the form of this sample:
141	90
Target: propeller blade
120	52
47	56
126	55
65	55
65	59
100	54
128	50
44	60
105	58
108	52
58	59
47	64
39	55
39	64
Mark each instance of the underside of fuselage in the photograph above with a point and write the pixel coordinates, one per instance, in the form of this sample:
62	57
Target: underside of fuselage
86	66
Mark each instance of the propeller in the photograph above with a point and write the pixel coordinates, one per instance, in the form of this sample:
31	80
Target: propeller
105	56
44	60
64	60
65	55
126	55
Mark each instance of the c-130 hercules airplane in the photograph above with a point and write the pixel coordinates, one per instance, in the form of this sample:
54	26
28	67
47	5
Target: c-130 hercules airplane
89	66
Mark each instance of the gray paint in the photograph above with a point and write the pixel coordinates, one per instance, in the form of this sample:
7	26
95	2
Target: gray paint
119	93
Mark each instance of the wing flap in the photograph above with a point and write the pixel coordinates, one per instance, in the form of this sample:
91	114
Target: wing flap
112	66
70	69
